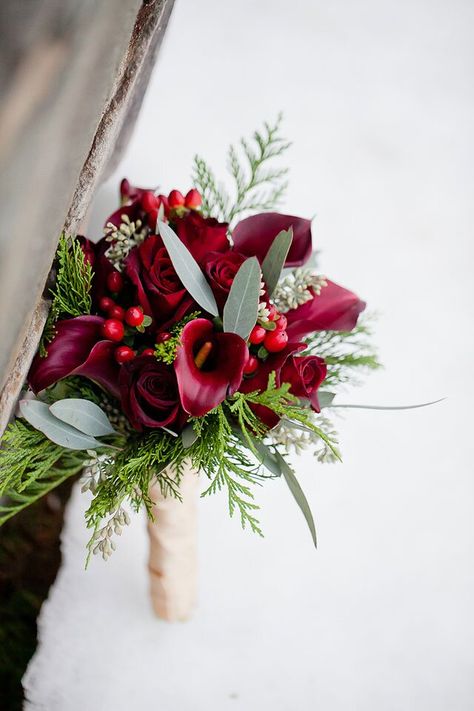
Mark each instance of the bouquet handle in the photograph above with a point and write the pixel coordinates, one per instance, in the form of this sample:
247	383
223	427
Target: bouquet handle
172	561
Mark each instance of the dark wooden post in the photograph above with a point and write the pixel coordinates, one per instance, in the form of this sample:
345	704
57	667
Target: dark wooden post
72	79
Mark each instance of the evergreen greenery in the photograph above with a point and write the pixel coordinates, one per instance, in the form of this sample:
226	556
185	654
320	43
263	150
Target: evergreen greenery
166	351
31	466
347	353
257	187
71	294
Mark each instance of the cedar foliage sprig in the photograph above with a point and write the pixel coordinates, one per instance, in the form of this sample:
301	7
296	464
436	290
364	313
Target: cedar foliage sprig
166	351
71	294
257	186
31	466
347	353
224	451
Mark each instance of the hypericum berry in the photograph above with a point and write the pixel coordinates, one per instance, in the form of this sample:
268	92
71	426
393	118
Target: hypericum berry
106	303
162	337
251	365
123	354
175	199
116	311
282	322
273	313
113	329
275	341
149	201
114	282
148	352
134	316
193	199
257	335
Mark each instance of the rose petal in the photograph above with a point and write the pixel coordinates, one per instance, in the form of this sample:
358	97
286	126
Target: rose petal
259	382
202	235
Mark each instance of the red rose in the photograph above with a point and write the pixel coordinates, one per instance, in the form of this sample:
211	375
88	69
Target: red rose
208	365
220	270
201	235
149	394
78	348
254	236
259	381
335	309
159	290
305	374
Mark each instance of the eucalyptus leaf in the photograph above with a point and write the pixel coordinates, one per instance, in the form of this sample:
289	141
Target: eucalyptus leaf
390	407
265	455
188	436
241	307
188	270
325	398
39	415
85	416
298	494
275	259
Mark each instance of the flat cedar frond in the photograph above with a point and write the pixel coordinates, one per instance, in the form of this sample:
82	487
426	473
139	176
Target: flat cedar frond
345	352
257	186
31	466
71	294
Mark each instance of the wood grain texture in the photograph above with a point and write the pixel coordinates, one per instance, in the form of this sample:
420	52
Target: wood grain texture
68	104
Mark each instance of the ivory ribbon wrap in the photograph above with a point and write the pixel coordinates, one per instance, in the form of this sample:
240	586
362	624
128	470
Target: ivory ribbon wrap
173	550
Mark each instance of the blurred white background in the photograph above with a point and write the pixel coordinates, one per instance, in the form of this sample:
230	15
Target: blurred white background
378	98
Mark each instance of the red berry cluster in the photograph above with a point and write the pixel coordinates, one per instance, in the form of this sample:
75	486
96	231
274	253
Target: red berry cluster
270	340
151	203
113	328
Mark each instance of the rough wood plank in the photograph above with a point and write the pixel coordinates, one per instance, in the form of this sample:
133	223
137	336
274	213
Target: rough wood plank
84	96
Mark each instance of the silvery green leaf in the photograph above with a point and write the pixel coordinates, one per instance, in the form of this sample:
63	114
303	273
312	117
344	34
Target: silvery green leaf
275	259
38	414
264	454
84	415
296	425
241	307
390	407
298	494
170	432
188	270
188	436
325	398
267	457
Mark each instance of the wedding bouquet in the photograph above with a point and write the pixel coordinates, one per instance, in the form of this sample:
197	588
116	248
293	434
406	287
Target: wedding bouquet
186	334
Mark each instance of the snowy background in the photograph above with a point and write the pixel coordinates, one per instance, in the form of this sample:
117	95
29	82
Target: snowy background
378	98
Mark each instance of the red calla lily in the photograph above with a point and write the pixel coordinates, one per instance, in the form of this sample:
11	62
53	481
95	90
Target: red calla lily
77	349
335	309
203	388
254	236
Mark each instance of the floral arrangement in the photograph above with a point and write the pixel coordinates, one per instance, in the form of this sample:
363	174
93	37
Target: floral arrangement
196	329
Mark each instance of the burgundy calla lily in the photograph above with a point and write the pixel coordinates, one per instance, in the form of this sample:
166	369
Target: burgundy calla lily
208	366
335	309
254	236
259	382
77	349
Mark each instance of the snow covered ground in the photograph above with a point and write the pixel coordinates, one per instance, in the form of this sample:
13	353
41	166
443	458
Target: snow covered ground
378	99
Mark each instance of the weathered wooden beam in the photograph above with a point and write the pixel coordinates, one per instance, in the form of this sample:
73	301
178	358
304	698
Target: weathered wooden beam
66	114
